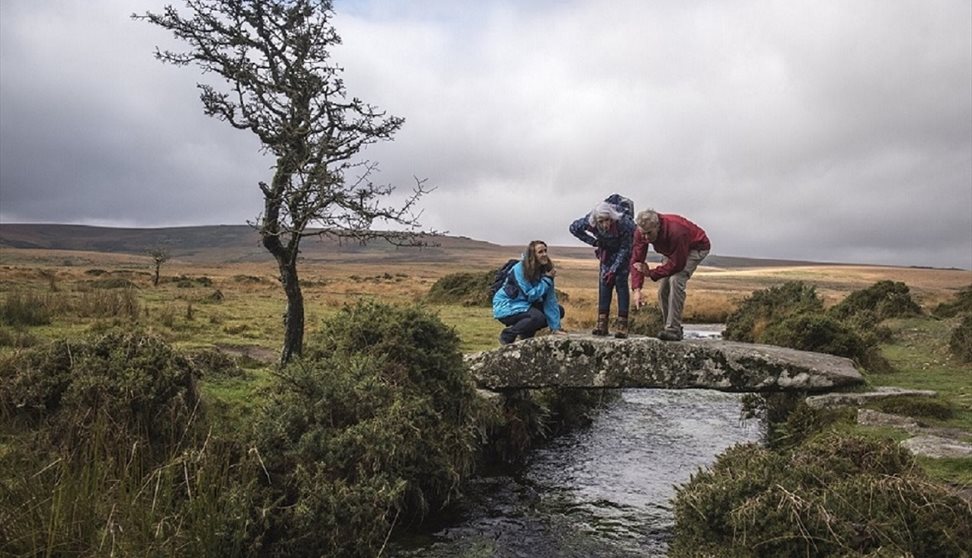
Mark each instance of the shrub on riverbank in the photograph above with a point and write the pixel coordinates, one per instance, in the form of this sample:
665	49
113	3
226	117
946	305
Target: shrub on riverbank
765	307
962	304
883	300
105	451
136	383
835	495
107	448
792	315
960	343
525	419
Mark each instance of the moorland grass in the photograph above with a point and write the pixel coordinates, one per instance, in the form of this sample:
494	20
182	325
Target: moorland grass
225	477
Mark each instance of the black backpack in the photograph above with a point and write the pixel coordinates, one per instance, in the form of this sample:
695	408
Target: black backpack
500	277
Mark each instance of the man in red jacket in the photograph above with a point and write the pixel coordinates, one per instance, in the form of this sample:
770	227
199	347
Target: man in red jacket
684	245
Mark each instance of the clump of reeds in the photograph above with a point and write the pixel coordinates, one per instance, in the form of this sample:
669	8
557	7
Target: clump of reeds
25	309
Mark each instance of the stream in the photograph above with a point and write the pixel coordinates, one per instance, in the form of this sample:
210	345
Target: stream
602	491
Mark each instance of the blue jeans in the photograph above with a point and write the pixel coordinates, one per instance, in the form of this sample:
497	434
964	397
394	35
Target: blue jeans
525	324
605	293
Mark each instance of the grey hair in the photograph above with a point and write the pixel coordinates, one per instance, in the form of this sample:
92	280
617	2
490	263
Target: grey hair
603	209
647	219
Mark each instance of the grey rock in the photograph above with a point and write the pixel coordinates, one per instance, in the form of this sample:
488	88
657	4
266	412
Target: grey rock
857	399
579	360
937	446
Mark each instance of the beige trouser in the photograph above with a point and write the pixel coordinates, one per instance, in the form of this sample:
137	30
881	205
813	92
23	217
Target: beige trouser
671	291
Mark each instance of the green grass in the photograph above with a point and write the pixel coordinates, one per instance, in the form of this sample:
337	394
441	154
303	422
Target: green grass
477	329
919	354
955	471
233	400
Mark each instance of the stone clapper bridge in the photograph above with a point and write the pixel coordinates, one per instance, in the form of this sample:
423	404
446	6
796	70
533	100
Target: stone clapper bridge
586	361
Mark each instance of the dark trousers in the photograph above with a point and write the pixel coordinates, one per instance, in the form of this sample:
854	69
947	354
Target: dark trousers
525	324
605	293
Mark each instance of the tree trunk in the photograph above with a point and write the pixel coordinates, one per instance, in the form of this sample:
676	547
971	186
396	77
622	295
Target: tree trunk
286	257
294	320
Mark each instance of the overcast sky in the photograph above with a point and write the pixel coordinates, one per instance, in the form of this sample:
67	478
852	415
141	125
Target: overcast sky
828	130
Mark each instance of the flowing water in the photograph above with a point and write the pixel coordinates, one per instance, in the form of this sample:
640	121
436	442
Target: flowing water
603	491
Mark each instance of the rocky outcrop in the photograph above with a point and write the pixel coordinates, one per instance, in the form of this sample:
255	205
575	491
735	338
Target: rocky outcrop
577	360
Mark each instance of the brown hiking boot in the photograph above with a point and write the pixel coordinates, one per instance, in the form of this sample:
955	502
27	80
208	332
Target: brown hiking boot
621	328
601	329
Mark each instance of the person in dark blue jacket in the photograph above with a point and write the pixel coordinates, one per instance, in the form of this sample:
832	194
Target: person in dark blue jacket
610	231
527	301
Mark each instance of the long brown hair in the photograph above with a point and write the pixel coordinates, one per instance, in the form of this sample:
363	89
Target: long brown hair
532	267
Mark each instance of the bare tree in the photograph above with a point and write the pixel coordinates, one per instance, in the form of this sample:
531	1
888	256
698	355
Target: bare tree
280	83
159	256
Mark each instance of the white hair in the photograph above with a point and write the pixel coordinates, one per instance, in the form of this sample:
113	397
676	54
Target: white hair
603	209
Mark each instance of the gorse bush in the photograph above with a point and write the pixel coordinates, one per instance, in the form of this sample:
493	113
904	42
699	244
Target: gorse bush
836	495
375	425
136	383
106	452
884	299
769	306
962	304
815	332
789	421
792	315
108	449
960	342
467	289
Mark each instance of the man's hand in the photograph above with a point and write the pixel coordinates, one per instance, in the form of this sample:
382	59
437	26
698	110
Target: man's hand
608	279
552	273
637	298
642	267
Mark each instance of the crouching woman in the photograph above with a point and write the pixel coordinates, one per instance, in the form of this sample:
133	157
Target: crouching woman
527	301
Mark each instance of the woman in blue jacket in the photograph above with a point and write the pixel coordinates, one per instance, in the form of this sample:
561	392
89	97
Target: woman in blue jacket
609	230
527	301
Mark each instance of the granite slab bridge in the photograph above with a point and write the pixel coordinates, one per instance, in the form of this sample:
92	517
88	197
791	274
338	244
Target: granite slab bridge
586	361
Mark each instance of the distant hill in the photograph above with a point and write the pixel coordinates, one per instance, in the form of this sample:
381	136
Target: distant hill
241	243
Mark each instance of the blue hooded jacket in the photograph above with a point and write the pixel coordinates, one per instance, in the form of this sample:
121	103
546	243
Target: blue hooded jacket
526	296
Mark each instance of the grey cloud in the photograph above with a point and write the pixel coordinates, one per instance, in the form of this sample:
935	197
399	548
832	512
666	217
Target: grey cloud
806	130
